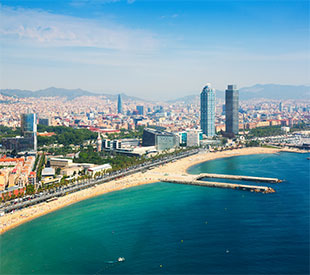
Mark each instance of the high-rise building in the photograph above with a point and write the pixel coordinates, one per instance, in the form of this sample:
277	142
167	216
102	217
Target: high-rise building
119	105
140	110
29	128
207	111
28	123
44	121
193	138
280	107
232	110
289	108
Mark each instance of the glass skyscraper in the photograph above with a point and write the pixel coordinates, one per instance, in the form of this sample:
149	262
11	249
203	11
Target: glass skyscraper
28	123
29	128
119	105
140	110
207	111
232	110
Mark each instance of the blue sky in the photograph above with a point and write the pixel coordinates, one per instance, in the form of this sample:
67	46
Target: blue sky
153	49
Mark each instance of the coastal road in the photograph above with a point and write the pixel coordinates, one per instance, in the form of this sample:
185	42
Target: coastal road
62	191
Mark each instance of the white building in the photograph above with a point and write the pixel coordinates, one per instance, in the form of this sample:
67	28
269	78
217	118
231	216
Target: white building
99	168
48	172
285	129
57	162
193	138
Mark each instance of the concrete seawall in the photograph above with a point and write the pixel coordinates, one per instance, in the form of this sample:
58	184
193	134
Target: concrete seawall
252	188
238	177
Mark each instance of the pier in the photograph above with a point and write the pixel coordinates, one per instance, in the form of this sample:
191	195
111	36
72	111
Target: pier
252	188
237	177
196	180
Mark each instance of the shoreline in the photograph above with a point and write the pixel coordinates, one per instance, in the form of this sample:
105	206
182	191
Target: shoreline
12	220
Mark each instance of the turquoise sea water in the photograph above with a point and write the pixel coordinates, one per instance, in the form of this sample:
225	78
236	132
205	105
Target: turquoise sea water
167	228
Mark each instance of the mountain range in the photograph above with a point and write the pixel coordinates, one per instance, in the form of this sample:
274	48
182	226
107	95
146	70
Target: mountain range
61	92
258	91
266	91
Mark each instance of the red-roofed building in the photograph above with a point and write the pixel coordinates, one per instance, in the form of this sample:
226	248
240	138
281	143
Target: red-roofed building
4	161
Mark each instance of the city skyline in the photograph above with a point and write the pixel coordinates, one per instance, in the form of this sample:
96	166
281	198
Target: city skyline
152	46
154	136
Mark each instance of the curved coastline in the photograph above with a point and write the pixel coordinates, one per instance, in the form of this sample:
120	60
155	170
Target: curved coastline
10	221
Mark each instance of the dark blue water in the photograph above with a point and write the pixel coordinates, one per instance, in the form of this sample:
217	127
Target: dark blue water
167	228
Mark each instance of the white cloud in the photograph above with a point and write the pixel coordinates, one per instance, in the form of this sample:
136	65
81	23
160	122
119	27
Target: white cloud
47	29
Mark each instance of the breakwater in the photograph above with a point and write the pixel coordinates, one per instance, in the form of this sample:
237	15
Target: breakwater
238	177
252	188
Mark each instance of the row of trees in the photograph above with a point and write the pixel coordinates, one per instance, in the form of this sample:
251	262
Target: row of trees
40	167
63	182
117	165
36	162
6	197
117	161
60	150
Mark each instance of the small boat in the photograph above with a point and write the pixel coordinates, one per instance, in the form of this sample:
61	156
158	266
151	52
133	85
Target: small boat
121	259
308	158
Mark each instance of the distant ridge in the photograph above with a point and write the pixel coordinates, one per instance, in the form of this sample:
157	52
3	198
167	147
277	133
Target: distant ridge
275	91
60	92
267	91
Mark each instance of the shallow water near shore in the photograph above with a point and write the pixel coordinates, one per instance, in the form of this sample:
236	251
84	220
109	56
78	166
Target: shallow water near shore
167	228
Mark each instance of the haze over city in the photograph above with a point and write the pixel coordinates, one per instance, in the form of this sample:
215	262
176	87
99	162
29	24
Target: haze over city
152	49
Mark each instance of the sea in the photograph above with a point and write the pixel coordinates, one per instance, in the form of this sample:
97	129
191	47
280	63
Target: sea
166	228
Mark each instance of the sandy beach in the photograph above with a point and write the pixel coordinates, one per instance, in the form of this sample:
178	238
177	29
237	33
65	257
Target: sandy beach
12	220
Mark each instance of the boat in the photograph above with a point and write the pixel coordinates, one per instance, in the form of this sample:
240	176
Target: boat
121	259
